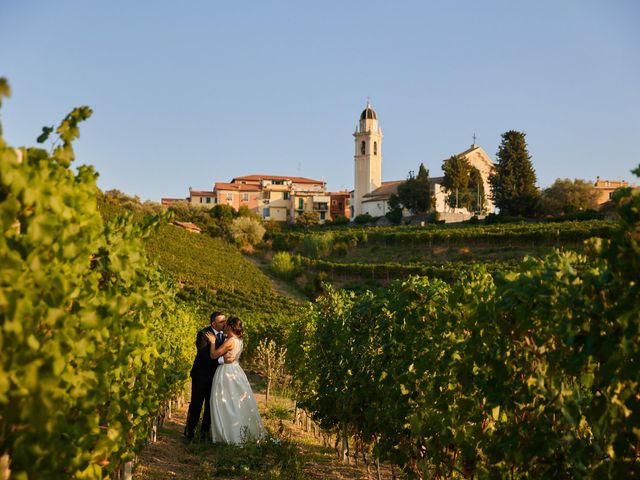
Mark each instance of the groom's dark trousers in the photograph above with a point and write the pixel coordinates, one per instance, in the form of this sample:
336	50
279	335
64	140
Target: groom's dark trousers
201	378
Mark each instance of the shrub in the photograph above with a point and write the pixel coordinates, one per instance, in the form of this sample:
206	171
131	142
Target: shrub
308	219
340	220
283	265
316	246
363	219
246	231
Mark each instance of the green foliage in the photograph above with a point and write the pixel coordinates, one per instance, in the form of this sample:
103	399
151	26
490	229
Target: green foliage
276	459
529	374
567	197
246	231
316	246
415	194
272	227
215	276
340	220
363	219
92	340
245	211
308	219
513	183
113	203
543	232
283	265
457	178
447	271
395	215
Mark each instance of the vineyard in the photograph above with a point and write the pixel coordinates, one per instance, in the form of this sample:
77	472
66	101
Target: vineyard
93	342
531	373
547	233
214	275
512	369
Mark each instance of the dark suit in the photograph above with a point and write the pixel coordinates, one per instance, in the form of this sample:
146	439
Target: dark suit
201	379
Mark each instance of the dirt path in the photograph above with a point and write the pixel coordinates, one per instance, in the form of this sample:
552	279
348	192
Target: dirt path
296	454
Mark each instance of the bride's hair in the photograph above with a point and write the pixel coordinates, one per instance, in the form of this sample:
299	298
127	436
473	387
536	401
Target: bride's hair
235	324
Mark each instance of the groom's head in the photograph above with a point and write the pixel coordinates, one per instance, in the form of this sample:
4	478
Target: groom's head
218	320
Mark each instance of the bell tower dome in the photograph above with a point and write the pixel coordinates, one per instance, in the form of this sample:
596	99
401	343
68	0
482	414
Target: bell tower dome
368	157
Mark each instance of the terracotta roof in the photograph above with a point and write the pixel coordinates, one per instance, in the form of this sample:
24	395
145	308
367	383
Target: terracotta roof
385	190
237	186
344	192
257	178
188	226
201	193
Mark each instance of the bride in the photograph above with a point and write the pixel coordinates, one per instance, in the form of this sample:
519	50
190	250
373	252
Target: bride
234	412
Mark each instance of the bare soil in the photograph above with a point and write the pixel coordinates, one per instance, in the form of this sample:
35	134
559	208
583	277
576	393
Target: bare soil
171	458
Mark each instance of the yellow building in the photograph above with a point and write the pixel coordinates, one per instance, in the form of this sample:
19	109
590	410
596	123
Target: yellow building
272	197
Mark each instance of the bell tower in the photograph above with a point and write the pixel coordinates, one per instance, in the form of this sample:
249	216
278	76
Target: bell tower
368	157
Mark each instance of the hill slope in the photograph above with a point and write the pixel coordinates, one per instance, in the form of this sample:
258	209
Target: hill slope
215	276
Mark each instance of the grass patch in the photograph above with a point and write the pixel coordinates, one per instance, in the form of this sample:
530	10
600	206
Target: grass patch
277	458
278	411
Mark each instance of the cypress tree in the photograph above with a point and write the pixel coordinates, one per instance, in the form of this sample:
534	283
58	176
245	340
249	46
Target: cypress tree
513	183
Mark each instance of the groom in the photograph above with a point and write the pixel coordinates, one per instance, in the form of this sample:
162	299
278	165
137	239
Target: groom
202	376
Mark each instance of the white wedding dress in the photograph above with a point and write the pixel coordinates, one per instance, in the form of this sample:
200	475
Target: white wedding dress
234	412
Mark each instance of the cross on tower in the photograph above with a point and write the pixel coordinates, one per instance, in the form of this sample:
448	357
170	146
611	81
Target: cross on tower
474	138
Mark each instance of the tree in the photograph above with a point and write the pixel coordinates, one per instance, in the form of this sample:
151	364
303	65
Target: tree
457	171
246	231
308	219
513	184
476	191
245	211
414	194
222	216
465	185
566	196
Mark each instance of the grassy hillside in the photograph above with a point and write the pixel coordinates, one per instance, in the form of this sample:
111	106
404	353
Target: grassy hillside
215	276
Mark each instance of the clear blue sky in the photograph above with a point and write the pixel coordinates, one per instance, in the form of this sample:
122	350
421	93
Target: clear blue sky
193	92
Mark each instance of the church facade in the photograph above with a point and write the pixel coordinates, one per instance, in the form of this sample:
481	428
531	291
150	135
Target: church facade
371	195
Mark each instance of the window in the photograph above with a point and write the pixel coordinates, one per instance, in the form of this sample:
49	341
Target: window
375	148
322	215
286	195
333	202
266	213
208	199
245	197
300	204
200	199
229	197
362	147
278	182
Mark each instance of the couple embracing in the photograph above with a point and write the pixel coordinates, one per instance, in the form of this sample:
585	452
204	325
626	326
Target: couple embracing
217	380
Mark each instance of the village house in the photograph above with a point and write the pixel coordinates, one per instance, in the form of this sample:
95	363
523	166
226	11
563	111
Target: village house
273	197
605	188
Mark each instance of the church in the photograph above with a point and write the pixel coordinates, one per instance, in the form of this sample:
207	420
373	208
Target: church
371	195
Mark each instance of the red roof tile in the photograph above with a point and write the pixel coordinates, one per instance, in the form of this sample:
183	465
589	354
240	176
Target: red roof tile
237	186
257	178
